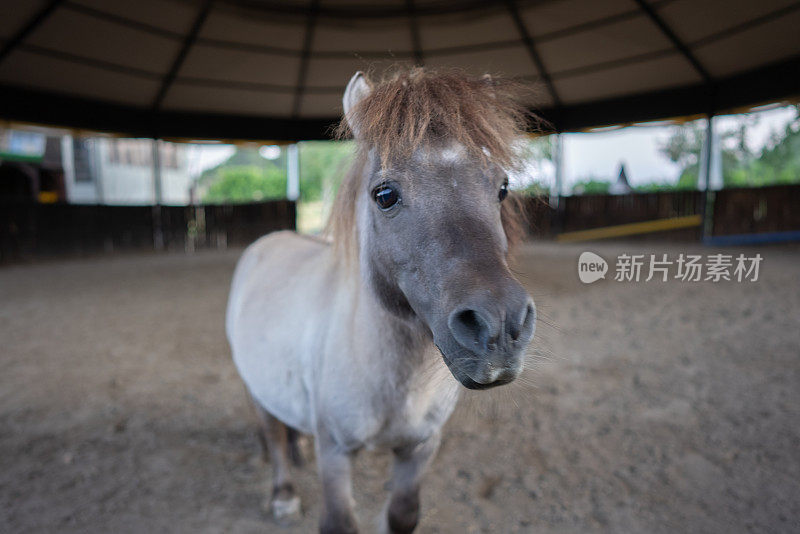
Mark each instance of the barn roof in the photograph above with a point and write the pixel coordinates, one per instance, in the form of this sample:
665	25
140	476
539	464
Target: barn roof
276	69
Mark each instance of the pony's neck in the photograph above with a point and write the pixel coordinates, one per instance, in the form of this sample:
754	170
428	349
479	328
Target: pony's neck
406	342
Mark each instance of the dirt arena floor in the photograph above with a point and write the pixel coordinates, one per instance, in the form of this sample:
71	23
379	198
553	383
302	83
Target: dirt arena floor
650	407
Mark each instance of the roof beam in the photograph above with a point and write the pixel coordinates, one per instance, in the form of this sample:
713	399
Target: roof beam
531	46
366	10
416	43
33	23
191	37
676	42
765	84
305	57
121	20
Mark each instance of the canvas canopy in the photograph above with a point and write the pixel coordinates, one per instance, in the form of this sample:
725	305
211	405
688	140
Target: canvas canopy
270	69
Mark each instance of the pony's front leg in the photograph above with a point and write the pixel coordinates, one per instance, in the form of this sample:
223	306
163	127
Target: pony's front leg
337	493
410	464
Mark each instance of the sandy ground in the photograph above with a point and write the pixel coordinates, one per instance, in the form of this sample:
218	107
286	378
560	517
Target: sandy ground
650	407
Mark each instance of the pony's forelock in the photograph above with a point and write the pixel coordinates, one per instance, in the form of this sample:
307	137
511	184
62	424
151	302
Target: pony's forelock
412	107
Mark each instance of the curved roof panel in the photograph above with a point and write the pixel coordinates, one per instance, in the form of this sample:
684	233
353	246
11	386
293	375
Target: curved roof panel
270	69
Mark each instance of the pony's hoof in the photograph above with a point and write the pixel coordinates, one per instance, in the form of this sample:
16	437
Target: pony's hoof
286	512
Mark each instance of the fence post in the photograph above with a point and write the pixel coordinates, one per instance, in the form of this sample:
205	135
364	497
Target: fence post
292	172
559	165
555	199
705	170
95	169
158	228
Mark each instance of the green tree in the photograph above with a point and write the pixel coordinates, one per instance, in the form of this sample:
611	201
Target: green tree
683	147
538	152
778	161
322	164
246	176
541	148
246	183
591	186
536	189
687	142
655	187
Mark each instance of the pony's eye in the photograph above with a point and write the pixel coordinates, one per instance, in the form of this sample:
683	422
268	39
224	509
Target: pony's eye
385	196
503	191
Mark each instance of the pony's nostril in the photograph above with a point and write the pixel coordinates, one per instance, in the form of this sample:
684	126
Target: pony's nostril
468	319
470	329
530	316
515	330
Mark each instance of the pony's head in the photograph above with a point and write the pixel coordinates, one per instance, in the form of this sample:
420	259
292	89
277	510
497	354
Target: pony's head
427	214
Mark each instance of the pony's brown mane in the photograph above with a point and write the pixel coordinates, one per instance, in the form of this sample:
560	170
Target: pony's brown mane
418	107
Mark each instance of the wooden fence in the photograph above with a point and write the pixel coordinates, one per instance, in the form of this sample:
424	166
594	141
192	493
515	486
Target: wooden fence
40	230
738	211
757	210
30	230
593	211
577	213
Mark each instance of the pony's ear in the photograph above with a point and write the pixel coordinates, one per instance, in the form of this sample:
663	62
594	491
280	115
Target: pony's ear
357	89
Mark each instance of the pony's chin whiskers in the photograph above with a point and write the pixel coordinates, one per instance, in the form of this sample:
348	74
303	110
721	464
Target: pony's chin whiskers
497	405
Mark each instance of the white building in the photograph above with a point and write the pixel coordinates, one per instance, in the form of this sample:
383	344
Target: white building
122	172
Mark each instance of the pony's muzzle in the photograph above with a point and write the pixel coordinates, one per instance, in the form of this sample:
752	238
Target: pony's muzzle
493	338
